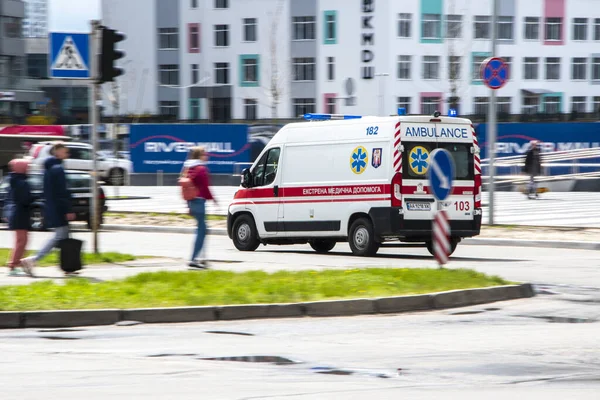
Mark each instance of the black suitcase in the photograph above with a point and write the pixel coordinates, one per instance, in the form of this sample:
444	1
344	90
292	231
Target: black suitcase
70	254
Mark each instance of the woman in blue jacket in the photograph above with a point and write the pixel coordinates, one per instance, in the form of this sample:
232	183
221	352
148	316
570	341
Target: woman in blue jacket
19	216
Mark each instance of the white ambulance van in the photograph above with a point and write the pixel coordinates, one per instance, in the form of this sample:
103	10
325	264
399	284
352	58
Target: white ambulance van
359	179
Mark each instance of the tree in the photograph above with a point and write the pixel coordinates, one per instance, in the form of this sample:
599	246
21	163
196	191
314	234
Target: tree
276	83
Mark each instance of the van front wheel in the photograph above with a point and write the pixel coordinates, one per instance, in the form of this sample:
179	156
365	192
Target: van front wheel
245	236
362	239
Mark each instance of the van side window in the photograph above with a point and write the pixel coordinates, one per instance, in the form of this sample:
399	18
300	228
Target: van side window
266	169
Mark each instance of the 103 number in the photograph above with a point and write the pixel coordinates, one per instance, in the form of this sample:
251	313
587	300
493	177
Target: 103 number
372	130
462	205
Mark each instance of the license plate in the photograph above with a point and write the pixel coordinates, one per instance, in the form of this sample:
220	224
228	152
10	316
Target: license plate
418	206
82	202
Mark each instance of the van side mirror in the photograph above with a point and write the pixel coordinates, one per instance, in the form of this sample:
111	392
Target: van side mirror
246	178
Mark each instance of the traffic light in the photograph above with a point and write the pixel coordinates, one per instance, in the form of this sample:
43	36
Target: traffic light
109	55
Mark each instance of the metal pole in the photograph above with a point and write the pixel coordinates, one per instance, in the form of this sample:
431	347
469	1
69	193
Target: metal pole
94	109
381	92
116	133
492	121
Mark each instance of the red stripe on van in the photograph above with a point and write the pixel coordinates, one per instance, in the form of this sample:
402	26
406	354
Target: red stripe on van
283	200
312	191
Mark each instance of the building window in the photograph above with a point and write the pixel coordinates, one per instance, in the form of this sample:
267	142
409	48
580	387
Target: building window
431	67
553	29
404	25
481	105
222	73
222	35
578	104
597	29
194	36
194	3
532	28
12	27
580	28
552	68
531	104
429	105
169	108
596	104
250	30
404	63
330	68
482	27
249	70
552	104
404	102
195	73
221	3
303	106
531	68
304	28
330	27
596	68
250	109
579	68
454	68
508	61
169	74
304	69
330	105
432	26
503	105
505	28
454	26
194	109
168	38
476	68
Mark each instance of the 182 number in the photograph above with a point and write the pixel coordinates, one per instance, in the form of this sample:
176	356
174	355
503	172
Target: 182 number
372	130
462	205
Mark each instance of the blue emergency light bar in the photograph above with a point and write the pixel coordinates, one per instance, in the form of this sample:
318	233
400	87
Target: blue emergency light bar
327	117
402	111
452	112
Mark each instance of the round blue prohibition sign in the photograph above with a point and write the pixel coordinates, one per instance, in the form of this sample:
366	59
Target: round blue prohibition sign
441	173
494	72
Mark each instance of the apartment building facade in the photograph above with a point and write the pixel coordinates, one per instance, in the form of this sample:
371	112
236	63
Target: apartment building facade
249	59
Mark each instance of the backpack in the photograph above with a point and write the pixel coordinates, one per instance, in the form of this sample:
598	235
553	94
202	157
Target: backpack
188	189
9	206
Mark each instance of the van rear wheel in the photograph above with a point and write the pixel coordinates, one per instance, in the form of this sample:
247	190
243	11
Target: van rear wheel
245	235
453	245
362	239
322	245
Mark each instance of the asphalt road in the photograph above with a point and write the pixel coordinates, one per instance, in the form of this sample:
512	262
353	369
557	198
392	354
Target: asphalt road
519	349
576	209
552	266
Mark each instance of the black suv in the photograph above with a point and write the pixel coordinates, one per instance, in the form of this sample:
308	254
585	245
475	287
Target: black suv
80	186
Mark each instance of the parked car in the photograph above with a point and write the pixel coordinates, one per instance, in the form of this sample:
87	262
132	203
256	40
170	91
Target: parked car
113	171
80	186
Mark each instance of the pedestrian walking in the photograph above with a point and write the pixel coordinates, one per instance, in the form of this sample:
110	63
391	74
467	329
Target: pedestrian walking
196	172
533	167
57	204
18	216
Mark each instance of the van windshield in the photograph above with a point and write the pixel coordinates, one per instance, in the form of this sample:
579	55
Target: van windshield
417	155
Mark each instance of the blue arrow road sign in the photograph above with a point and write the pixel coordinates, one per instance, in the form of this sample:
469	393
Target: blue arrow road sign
69	56
441	173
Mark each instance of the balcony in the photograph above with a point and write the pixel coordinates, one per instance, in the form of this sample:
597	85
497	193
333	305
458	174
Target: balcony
19	83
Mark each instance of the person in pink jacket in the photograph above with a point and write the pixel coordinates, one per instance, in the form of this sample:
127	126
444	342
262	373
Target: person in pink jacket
199	174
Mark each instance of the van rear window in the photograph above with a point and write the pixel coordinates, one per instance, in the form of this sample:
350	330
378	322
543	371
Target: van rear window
416	158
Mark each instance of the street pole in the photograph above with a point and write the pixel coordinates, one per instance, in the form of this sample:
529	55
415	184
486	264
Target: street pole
381	92
492	122
116	133
94	109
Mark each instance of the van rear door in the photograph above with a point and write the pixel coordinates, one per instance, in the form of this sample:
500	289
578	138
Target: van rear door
457	138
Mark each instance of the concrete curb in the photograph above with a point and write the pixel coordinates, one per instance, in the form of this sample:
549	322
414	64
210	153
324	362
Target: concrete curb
469	242
334	308
554	244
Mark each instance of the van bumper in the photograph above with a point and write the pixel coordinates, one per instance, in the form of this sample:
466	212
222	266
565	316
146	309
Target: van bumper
389	223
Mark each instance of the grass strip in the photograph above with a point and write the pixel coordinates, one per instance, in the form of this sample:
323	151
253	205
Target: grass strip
198	288
88	258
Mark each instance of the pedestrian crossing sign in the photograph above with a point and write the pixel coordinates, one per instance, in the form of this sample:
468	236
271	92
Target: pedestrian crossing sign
69	55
